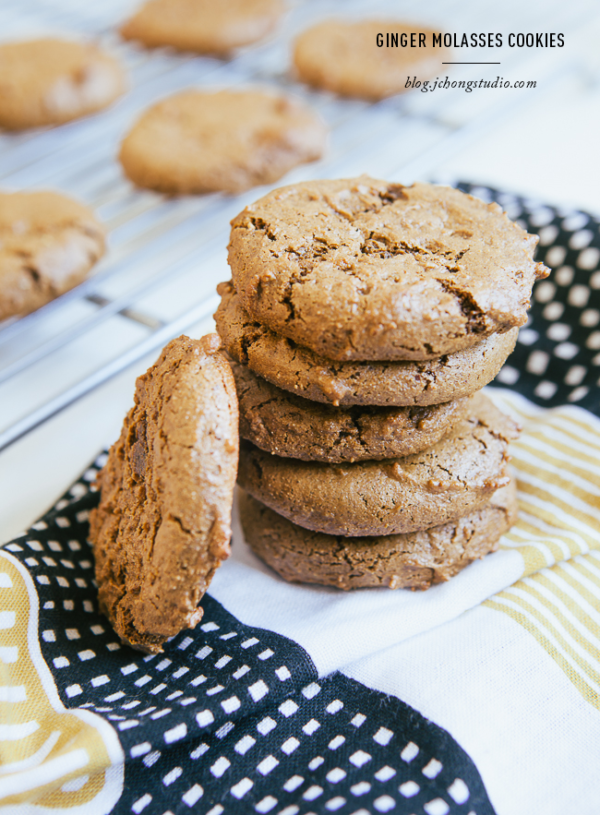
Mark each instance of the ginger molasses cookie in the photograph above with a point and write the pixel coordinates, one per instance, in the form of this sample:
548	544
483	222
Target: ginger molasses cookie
48	243
51	81
454	477
290	426
366	58
204	26
299	370
360	269
415	560
198	141
164	520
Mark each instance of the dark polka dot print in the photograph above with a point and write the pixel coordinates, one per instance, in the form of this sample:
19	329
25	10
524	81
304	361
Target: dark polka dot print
232	719
557	358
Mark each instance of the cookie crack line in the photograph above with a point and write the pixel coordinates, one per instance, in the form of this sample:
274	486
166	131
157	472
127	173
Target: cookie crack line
260	225
389	195
383	247
454	476
476	321
374	244
177	520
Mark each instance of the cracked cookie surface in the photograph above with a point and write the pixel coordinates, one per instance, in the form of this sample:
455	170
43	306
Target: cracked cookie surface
163	524
450	479
48	244
203	26
198	141
290	426
361	269
299	370
416	560
50	81
343	57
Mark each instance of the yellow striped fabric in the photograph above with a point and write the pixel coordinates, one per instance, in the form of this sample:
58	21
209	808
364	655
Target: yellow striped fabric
63	760
557	464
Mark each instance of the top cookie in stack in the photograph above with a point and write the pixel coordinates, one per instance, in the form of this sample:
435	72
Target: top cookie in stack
394	305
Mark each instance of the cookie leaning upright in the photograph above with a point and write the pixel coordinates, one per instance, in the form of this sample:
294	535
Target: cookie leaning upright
163	524
361	269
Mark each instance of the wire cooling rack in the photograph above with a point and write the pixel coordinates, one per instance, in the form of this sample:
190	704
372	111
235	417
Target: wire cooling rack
166	255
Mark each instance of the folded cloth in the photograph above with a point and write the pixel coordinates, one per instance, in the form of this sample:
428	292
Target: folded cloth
480	695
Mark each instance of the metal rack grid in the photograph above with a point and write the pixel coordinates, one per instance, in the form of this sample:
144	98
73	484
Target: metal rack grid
166	255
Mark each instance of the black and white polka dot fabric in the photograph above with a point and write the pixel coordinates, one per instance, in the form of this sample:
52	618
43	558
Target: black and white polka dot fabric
557	358
232	719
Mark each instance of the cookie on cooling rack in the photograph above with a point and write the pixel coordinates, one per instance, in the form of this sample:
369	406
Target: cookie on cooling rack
355	58
203	26
48	244
198	141
163	523
51	81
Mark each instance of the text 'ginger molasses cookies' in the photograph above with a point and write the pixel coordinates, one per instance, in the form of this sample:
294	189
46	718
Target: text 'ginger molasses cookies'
416	560
282	362
164	520
203	26
360	269
290	426
48	243
199	141
51	81
454	477
359	58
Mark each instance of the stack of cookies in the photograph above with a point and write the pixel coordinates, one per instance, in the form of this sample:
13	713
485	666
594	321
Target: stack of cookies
363	318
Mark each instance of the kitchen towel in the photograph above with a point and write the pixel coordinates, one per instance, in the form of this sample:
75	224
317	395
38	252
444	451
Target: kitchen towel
480	695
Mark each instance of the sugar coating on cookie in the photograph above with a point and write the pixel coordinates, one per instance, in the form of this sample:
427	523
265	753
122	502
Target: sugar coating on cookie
344	57
416	560
163	524
452	478
299	370
361	269
287	425
196	141
48	244
203	26
51	81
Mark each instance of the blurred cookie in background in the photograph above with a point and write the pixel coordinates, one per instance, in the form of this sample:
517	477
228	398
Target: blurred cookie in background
197	141
203	26
51	81
48	244
346	57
